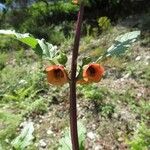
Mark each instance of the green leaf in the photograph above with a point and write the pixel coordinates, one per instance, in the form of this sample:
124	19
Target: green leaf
1	147
25	138
7	32
86	60
121	44
62	58
30	41
41	47
49	51
81	134
65	142
25	38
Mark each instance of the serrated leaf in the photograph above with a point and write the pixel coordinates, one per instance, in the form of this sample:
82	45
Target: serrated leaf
25	138
121	44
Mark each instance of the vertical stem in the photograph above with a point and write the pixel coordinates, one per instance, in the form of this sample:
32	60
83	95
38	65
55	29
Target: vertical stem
73	108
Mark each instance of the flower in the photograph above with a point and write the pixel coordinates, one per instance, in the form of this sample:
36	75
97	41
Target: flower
56	75
92	73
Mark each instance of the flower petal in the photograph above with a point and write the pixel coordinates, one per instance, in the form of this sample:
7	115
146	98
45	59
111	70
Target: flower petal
56	75
93	73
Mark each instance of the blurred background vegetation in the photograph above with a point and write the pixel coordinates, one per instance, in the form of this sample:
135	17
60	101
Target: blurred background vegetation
54	19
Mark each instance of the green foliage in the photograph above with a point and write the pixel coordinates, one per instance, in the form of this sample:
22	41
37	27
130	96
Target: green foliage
56	35
3	60
141	138
122	43
41	47
65	142
107	110
85	61
144	110
104	23
19	95
9	120
44	20
18	85
1	147
92	92
48	51
25	138
10	78
62	58
8	44
38	107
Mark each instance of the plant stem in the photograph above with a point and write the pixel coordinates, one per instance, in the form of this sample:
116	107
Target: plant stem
73	108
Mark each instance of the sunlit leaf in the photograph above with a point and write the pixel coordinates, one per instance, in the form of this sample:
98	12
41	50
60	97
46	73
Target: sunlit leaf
7	32
121	44
25	138
25	38
30	41
41	47
49	51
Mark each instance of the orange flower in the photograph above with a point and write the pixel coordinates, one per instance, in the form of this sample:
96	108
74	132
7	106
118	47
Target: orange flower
56	75
93	73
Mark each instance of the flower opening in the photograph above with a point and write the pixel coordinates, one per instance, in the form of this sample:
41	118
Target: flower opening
56	75
93	73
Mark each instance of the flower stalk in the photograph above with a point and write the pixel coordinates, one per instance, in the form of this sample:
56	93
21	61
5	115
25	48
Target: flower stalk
73	107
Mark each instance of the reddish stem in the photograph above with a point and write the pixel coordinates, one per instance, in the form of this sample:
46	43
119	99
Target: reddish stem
73	108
